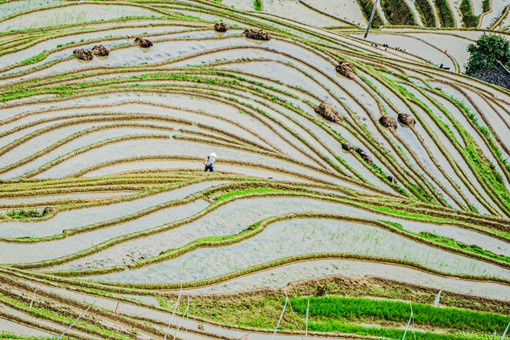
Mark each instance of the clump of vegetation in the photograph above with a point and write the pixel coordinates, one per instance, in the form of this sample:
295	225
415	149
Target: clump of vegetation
352	308
366	7
486	52
257	5
243	192
426	12
32	213
445	13
486	5
32	59
398	12
473	248
469	19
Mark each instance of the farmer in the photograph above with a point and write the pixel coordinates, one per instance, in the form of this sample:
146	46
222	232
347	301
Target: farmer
209	161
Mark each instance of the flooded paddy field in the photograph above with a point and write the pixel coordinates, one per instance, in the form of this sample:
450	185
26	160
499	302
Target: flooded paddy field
346	173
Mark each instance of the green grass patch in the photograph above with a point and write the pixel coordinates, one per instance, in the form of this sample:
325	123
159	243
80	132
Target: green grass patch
426	11
390	333
472	248
486	5
469	19
399	311
366	7
398	12
34	58
246	191
32	213
445	13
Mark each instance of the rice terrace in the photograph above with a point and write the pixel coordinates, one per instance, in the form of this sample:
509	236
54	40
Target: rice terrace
357	187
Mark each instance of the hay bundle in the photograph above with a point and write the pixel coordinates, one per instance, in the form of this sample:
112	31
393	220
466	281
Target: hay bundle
346	68
406	119
328	112
83	54
257	34
347	146
101	50
220	27
392	179
388	121
364	155
143	42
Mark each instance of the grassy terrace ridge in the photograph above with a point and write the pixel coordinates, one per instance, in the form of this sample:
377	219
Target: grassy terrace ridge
343	293
359	179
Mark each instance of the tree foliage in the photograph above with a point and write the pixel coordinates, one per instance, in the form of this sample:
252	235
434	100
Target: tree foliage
486	51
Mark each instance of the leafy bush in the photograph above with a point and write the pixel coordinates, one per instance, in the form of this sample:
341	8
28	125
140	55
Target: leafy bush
486	5
257	5
445	13
469	19
366	7
398	12
486	51
426	12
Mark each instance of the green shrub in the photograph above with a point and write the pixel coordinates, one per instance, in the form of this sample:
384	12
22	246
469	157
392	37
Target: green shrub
445	13
398	12
366	7
486	5
469	19
426	12
257	5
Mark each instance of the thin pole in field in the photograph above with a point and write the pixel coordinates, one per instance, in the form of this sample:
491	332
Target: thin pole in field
293	316
180	322
173	313
306	320
409	322
78	318
35	291
371	18
436	300
281	316
187	320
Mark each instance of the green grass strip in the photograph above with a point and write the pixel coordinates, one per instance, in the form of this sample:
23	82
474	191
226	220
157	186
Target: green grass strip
247	191
473	248
391	333
399	311
34	58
